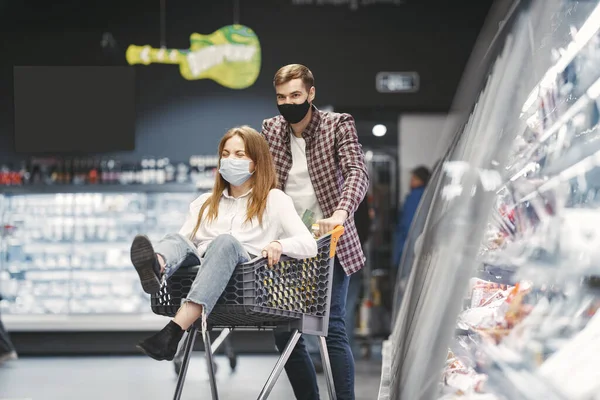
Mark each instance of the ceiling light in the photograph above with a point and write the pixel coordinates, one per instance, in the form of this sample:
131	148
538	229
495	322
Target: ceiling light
379	130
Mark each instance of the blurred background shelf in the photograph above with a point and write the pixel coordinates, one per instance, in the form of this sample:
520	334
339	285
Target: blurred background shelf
64	254
116	188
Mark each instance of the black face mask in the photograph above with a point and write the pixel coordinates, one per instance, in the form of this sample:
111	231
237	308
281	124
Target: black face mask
294	113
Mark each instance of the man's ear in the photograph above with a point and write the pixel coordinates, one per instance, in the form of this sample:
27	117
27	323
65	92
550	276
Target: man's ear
311	94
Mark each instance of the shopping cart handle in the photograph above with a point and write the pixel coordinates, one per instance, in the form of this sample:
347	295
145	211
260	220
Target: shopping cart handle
336	233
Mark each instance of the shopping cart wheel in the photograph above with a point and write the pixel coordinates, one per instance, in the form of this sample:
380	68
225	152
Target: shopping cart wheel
232	361
366	350
230	352
177	362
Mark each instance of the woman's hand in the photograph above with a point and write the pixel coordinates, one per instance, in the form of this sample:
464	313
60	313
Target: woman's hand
272	252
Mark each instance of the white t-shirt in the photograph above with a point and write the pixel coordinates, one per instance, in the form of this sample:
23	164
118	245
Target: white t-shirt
299	186
280	222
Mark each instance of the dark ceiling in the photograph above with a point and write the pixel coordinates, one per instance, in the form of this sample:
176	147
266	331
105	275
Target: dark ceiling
344	48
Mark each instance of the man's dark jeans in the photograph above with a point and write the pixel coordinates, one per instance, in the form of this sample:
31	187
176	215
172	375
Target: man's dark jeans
300	369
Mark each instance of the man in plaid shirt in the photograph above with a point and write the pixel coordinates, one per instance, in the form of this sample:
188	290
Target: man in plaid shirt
321	166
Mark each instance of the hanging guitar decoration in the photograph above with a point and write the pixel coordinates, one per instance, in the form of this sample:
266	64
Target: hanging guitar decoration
230	56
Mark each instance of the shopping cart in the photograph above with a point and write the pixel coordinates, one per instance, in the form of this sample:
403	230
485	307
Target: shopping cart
292	295
222	340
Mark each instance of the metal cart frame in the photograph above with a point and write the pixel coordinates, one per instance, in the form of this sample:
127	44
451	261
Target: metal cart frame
292	295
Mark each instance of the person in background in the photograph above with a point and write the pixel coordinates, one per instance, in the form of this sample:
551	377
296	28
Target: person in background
419	178
244	215
7	349
321	166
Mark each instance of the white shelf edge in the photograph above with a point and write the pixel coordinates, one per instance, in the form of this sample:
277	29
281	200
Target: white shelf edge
88	323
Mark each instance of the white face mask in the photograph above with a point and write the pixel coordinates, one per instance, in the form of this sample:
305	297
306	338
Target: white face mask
235	171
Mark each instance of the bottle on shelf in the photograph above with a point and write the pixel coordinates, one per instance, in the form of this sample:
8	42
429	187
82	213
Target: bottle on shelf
169	171
151	171
78	174
24	173
104	173
127	174
4	175
137	172
56	174
68	172
160	171
182	173
93	173
114	167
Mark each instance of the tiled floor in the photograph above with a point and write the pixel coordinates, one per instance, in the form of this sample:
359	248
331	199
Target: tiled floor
138	377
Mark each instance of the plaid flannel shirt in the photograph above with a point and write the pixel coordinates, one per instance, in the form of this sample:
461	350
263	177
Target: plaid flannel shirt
336	167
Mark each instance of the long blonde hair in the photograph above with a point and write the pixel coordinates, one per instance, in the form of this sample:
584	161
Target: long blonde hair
262	180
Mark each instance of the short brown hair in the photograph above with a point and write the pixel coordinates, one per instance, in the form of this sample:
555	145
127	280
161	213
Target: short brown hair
294	71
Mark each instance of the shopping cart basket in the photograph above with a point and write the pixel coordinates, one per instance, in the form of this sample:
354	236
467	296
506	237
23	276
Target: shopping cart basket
292	295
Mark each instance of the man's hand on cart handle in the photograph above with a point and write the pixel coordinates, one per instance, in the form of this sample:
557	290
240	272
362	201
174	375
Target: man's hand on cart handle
328	224
272	252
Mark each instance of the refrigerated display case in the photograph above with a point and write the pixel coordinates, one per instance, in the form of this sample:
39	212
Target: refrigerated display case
503	289
64	253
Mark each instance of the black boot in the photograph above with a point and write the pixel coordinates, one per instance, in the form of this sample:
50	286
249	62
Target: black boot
146	264
163	345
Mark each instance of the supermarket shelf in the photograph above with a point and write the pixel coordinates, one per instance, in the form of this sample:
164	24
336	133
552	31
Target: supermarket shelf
88	322
538	228
66	271
116	188
571	157
66	268
384	387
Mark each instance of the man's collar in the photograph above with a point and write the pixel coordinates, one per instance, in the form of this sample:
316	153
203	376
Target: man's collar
311	128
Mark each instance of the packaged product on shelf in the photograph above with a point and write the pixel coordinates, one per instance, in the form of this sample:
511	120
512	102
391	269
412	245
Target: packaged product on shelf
470	396
460	379
550	325
465	383
573	370
484	292
529	328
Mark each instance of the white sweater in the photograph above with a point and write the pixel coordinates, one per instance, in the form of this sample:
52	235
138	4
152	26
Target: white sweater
280	222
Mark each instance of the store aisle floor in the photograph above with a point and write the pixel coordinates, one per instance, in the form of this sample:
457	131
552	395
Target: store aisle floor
138	377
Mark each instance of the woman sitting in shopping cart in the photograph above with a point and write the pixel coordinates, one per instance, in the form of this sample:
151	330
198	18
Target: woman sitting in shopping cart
244	216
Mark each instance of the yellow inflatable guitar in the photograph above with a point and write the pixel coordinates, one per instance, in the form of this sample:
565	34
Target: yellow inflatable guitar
229	56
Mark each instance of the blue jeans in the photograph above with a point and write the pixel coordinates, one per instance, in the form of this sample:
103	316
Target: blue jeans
311	342
352	299
223	254
300	369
